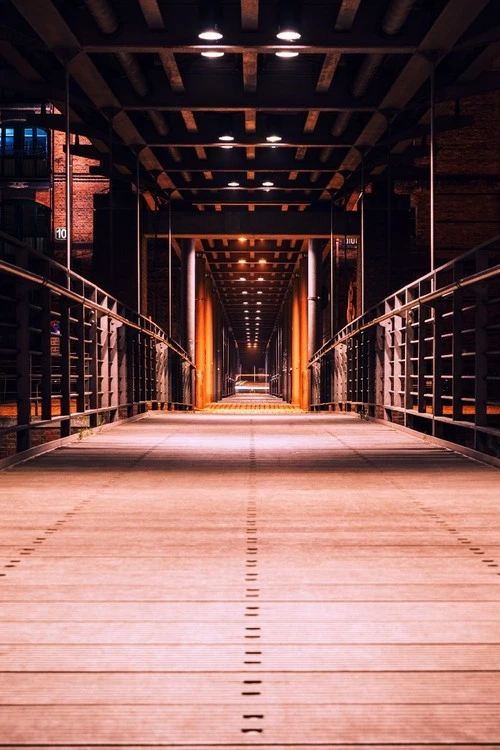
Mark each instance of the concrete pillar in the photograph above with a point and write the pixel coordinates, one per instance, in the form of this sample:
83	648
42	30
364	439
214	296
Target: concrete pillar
200	338
304	335
188	254
295	341
314	282
209	340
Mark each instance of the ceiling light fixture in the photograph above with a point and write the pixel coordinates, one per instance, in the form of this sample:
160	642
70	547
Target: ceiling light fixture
226	146
233	184
225	127
242	278
212	34
288	24
210	16
244	291
213	53
242	261
286	53
262	262
261	278
267	183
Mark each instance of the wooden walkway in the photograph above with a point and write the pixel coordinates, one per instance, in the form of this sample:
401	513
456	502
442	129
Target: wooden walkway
212	581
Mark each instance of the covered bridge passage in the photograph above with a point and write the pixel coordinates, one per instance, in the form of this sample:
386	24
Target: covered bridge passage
209	581
250	374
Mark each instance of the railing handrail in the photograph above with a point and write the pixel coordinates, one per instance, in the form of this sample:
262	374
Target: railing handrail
357	325
144	325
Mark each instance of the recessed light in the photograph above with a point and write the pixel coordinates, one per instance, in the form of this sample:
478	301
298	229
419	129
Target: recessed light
244	291
226	137
261	278
286	53
288	34
259	292
273	138
242	278
242	261
262	261
267	183
212	34
258	303
226	145
233	184
212	53
245	303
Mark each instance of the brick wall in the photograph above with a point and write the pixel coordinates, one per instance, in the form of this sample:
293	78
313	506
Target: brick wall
85	185
467	188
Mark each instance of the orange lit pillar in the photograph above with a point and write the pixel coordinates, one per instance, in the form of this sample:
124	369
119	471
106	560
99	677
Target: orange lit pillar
200	333
209	340
304	338
295	340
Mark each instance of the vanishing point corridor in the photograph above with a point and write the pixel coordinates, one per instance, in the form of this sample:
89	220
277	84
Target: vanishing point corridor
209	581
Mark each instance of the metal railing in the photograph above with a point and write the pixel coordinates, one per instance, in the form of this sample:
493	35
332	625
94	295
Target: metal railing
72	357
426	357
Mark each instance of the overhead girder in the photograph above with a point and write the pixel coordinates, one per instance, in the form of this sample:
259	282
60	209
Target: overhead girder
260	224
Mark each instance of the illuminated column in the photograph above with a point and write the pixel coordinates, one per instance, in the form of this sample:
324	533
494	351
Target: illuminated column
200	333
188	249
314	313
304	342
209	340
295	341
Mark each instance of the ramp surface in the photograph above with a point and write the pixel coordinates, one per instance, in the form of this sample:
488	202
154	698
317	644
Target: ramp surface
204	581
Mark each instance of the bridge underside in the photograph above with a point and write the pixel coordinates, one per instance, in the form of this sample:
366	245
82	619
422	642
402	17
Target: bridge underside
309	580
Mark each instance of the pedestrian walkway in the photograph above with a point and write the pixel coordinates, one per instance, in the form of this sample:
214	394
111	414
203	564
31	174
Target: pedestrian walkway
209	581
251	403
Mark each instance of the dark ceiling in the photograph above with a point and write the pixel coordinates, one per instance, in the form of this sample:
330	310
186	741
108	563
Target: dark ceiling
359	85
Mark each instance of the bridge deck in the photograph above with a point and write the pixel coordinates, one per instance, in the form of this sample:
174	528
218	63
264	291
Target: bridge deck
281	581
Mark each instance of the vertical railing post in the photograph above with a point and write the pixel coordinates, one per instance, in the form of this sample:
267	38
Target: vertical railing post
23	364
65	357
46	360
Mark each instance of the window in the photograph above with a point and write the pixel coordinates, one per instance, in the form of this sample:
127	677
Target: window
7	141
24	151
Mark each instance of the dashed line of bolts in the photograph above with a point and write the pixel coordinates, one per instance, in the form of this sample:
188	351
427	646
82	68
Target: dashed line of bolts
39	540
252	687
490	562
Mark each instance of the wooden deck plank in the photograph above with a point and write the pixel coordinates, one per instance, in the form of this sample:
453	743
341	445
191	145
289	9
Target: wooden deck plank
204	581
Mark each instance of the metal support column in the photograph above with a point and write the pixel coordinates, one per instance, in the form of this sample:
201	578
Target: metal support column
69	176
304	336
295	342
332	272
362	239
200	338
314	282
209	339
138	237
188	250
169	269
432	172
